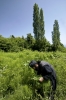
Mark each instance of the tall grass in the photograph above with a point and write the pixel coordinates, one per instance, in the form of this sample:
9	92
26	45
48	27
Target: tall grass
19	82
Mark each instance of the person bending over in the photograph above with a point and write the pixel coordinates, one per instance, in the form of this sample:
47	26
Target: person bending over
47	72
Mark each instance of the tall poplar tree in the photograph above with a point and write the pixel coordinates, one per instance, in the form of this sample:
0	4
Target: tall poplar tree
56	35
38	27
36	22
42	31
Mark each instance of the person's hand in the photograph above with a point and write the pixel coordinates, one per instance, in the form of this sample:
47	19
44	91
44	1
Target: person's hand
41	79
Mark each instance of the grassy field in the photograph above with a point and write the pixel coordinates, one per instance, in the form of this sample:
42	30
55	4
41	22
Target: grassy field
19	82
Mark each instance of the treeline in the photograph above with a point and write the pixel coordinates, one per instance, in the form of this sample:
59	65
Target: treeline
16	44
39	41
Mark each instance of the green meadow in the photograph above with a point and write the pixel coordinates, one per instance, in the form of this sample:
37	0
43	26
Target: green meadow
19	82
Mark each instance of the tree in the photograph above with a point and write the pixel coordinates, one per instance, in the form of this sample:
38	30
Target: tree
42	31
56	35
12	36
29	40
36	22
5	45
38	27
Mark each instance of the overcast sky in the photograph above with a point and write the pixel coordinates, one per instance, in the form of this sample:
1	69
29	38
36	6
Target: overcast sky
16	17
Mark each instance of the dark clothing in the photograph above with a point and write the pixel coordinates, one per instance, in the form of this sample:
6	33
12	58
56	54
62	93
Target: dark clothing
48	73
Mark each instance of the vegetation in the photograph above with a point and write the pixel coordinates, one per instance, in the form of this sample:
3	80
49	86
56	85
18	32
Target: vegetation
56	35
17	44
19	82
38	23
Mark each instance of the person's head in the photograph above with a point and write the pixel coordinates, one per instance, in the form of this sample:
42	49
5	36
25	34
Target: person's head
33	64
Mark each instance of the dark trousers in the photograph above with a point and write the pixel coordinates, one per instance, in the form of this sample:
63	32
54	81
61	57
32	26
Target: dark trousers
53	89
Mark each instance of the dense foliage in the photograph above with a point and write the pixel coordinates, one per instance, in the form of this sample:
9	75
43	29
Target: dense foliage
19	82
16	44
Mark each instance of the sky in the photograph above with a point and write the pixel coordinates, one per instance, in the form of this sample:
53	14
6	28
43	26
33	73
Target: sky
16	17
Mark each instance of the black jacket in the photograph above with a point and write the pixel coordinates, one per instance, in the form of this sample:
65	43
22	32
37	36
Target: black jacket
47	71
